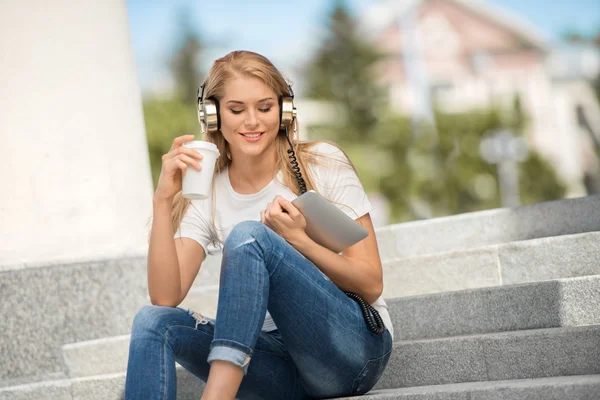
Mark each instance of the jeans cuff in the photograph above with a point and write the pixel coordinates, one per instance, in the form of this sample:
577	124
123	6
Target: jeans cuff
228	350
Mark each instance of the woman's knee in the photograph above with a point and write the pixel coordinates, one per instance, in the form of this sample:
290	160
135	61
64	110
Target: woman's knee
153	318
247	232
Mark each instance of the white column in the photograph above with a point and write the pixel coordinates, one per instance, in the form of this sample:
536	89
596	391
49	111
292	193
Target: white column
74	170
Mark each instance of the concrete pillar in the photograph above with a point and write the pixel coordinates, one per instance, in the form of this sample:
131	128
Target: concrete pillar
74	177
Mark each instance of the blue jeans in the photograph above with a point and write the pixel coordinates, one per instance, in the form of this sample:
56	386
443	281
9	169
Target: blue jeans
322	347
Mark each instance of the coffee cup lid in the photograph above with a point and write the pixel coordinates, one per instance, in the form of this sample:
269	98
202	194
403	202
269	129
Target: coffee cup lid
201	144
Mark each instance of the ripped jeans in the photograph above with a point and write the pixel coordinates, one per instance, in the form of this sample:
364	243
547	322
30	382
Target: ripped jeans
322	347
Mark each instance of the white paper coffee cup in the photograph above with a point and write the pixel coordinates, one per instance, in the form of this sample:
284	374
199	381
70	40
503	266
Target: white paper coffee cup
196	184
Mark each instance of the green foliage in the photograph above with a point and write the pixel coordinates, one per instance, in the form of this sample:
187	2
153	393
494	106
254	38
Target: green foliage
165	120
424	173
184	62
175	115
342	71
430	175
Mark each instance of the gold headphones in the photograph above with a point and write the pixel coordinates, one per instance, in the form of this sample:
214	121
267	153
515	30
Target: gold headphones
209	118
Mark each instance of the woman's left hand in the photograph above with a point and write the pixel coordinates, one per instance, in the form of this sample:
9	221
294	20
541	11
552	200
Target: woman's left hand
284	218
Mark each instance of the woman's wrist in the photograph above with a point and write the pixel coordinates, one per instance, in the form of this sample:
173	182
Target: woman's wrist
299	241
159	202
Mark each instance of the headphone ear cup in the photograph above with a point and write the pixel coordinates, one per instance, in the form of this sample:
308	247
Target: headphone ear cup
208	115
287	112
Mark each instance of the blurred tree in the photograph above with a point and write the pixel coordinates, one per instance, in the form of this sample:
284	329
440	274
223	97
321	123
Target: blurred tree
174	114
342	71
431	174
404	167
166	119
184	62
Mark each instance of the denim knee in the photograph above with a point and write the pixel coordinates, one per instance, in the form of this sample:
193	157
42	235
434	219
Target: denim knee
247	232
152	318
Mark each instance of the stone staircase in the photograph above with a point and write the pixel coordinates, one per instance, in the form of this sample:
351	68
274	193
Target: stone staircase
500	304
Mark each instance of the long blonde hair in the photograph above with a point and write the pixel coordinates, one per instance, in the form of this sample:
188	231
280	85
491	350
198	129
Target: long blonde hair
250	64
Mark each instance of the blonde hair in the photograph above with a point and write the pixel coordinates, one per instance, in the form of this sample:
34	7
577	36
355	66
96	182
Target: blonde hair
250	64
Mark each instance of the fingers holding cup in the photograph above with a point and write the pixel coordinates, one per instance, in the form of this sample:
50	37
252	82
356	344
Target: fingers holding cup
179	140
197	183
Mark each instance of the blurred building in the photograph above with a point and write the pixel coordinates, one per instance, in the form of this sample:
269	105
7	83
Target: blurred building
461	55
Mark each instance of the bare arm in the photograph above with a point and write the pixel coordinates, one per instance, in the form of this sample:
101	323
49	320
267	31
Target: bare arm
172	263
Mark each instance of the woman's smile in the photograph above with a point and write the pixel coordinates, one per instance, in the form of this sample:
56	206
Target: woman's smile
252	136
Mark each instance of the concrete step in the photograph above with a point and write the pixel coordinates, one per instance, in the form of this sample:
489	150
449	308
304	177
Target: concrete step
547	304
47	305
109	355
491	227
504	264
97	357
497	356
586	387
492	357
98	387
111	387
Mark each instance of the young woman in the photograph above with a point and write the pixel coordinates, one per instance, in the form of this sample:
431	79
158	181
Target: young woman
284	328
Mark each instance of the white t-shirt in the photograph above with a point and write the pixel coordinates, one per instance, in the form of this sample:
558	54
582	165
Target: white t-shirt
335	180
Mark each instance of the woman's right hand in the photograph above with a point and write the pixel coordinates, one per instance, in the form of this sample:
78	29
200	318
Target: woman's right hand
174	165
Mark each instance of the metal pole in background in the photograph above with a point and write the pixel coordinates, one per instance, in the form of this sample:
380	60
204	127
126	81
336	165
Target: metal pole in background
506	151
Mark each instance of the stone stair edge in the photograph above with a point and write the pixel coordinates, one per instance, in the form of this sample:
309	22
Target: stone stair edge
379	394
492	247
499	288
66	381
403	342
557	303
399	300
501	335
477	387
70	262
75	387
91	342
63	382
494	357
439	220
26	380
489	227
483	213
560	336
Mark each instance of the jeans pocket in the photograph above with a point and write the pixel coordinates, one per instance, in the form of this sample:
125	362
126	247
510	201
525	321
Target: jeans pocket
370	374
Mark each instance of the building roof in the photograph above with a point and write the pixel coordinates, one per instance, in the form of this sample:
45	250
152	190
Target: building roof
380	16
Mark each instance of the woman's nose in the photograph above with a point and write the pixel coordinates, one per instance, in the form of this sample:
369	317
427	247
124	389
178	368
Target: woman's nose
252	119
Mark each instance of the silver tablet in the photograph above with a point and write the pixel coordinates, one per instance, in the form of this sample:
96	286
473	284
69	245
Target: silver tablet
326	224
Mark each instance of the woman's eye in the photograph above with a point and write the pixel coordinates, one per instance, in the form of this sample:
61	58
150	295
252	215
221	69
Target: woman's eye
264	109
236	112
